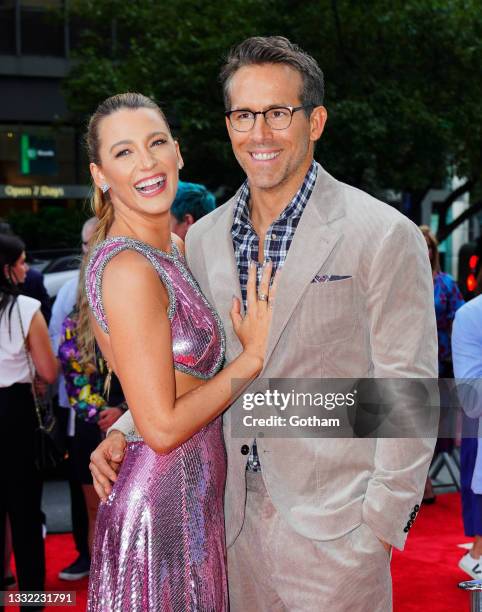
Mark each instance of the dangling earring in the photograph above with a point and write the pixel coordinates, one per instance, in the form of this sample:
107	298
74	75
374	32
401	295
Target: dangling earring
105	188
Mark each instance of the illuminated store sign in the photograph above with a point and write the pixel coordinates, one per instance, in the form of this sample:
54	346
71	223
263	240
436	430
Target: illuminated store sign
43	192
37	156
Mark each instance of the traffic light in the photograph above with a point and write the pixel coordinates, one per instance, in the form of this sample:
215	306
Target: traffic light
470	259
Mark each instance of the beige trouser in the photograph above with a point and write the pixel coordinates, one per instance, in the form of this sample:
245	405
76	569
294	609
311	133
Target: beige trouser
271	568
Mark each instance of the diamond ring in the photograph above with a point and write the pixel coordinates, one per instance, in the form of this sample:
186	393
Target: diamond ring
262	297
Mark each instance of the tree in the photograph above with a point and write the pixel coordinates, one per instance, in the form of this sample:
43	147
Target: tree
403	93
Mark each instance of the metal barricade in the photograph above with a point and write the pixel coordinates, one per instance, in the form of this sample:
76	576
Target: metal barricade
475	586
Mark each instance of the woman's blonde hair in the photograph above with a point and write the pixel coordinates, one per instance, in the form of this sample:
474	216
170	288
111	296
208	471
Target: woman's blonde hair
101	206
432	240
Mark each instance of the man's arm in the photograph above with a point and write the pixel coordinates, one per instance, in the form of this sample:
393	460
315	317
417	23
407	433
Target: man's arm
403	334
467	356
63	306
125	424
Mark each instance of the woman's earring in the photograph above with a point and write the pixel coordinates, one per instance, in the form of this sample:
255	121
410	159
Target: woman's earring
105	188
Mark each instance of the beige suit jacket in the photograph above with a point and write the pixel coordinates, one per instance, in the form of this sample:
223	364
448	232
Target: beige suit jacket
380	322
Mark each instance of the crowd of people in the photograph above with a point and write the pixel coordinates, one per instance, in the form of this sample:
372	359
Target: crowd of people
297	276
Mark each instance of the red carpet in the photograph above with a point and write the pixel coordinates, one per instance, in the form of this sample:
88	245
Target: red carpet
425	575
60	552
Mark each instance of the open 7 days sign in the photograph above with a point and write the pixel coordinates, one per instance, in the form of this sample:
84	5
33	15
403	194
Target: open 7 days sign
37	156
43	192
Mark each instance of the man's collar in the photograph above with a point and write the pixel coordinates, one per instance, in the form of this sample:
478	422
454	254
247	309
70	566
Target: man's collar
294	208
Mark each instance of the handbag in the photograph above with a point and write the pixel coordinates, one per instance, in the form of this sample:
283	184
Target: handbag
49	440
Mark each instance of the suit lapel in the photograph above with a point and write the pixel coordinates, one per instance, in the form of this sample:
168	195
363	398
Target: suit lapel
222	273
312	244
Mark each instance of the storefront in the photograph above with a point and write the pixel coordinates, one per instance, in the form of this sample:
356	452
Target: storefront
31	197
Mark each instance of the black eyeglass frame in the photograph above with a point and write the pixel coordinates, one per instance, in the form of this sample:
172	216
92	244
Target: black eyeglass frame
291	109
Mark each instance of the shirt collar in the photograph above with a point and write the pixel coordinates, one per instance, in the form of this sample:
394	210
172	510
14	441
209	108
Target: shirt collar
295	207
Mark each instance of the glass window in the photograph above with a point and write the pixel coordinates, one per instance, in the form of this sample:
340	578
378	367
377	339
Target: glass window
42	28
7	27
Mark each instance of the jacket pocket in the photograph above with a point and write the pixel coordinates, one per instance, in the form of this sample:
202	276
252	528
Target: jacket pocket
326	313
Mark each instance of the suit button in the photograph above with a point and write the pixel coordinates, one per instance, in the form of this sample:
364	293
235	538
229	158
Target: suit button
416	507
244	449
413	516
405	529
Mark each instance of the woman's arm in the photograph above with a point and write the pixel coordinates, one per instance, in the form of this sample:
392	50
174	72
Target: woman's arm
135	303
40	349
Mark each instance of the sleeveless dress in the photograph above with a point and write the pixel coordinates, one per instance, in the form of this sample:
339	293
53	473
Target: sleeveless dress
159	542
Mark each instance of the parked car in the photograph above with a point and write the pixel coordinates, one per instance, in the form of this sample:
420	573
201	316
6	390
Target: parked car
57	268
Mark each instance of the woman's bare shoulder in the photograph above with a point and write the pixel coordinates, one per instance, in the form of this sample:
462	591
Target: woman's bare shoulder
130	270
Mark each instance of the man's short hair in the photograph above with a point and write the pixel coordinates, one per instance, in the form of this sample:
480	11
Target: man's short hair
192	199
259	50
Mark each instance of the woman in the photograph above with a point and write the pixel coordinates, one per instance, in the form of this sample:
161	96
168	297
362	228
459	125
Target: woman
448	300
21	484
159	542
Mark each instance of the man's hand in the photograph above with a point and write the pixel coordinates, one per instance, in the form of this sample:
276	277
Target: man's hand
108	417
105	462
386	545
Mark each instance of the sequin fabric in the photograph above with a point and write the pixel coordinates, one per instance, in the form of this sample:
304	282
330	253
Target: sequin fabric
198	341
159	542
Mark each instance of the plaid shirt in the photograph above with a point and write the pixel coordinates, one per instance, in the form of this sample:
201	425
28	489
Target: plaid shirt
279	235
277	243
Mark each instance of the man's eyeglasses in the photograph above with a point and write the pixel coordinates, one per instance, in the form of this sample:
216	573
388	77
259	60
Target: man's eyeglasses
277	118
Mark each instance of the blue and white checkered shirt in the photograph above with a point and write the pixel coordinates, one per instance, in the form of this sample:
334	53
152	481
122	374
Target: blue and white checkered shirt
277	243
279	235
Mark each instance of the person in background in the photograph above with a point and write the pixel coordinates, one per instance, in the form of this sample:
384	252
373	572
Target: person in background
20	481
448	299
467	359
79	434
192	202
63	306
33	285
85	374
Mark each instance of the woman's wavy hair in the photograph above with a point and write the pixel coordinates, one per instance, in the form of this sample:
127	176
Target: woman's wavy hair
101	205
11	248
430	236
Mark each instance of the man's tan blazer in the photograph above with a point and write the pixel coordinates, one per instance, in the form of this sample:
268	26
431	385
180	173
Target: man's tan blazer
378	322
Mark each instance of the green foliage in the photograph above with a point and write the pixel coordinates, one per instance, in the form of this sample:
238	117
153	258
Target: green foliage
402	79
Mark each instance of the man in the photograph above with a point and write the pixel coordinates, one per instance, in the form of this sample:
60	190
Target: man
192	202
467	360
310	522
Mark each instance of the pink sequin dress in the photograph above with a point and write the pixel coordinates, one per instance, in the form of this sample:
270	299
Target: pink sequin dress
159	541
